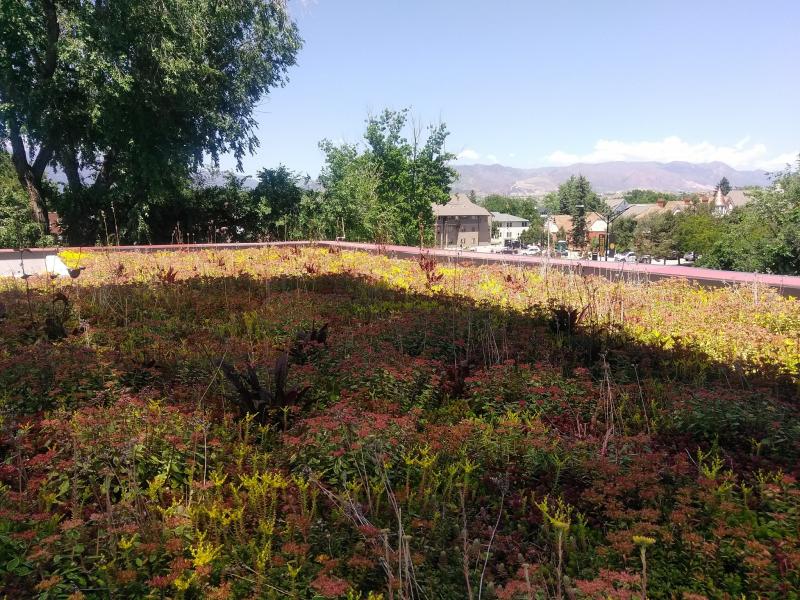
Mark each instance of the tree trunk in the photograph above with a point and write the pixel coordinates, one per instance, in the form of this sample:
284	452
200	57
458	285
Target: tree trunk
36	199
30	176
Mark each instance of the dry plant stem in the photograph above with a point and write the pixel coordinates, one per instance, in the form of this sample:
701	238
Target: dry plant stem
643	554
559	567
464	545
491	540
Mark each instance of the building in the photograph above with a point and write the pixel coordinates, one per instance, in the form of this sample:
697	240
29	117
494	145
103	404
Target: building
596	227
723	204
720	204
509	227
462	224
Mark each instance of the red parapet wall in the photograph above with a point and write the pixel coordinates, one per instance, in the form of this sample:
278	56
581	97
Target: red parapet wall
787	284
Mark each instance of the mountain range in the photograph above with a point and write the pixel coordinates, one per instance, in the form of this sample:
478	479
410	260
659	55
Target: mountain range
606	177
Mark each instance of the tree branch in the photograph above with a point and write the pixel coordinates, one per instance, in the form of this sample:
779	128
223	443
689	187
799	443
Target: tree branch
104	177
69	161
18	155
53	31
42	160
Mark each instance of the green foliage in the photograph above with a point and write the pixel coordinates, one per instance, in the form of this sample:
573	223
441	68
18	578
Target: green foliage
134	95
578	190
724	186
647	196
578	235
526	208
697	230
532	235
655	235
350	205
552	469
18	228
764	235
384	191
278	195
622	232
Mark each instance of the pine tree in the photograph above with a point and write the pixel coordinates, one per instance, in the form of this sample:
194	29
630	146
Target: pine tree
578	235
724	186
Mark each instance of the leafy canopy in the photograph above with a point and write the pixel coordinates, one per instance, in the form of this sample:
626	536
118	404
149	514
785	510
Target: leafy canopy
134	94
17	228
384	189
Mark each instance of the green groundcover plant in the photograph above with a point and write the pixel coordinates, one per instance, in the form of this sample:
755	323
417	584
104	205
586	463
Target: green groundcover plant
286	423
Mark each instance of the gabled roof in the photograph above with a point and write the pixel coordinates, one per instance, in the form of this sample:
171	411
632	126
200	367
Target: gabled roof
738	197
562	222
636	211
565	221
498	216
460	206
593	217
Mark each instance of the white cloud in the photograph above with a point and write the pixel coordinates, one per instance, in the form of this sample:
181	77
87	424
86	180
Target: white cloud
741	155
468	154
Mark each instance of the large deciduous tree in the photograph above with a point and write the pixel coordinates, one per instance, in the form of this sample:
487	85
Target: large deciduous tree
278	194
384	190
17	228
132	94
764	235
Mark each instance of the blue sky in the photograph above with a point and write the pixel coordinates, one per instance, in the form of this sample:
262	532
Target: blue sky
528	83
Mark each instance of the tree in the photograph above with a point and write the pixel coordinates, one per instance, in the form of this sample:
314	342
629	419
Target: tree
764	235
551	203
647	196
385	190
622	231
525	208
697	230
576	197
278	195
412	175
724	186
133	94
577	190
655	235
350	204
204	210
532	235
18	229
578	233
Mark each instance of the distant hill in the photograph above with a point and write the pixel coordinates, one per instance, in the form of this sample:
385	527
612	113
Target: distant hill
605	177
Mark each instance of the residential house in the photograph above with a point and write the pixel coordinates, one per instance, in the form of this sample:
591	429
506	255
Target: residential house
723	204
462	224
509	227
720	203
596	226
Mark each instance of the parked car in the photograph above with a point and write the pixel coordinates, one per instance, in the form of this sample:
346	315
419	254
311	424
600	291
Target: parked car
690	256
532	250
629	256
